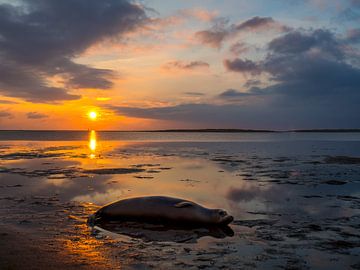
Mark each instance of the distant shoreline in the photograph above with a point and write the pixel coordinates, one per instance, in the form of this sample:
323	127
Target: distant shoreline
198	130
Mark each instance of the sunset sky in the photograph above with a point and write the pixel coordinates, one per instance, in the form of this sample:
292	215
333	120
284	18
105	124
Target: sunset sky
155	64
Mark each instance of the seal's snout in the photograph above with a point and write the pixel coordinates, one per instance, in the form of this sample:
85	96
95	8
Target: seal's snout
225	218
228	219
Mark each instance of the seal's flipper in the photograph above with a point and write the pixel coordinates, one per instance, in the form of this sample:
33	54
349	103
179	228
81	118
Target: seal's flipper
184	204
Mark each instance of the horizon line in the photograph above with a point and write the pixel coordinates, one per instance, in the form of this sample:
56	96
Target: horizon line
212	130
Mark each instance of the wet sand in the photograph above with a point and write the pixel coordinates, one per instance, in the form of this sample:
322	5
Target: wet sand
19	250
296	204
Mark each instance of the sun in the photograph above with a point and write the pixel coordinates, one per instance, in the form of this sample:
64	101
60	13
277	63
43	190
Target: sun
93	115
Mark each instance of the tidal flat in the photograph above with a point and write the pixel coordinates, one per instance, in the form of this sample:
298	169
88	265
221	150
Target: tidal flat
295	198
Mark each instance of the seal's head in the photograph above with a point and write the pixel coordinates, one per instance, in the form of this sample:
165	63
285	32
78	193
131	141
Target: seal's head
220	216
204	215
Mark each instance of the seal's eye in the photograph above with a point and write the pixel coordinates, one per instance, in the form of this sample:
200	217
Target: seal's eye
222	213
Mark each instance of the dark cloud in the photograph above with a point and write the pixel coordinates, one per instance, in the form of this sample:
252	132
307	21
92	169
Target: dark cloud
311	77
297	54
186	65
214	36
255	23
251	83
23	82
243	66
309	70
211	38
311	85
221	30
236	94
5	114
232	93
297	114
182	112
40	38
294	42
239	48
317	67
297	42
80	76
36	115
202	115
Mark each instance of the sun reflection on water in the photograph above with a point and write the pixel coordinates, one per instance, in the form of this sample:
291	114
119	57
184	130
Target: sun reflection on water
81	245
92	143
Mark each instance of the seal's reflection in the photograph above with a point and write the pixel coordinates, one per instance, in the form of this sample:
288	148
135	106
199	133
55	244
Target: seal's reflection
163	232
92	143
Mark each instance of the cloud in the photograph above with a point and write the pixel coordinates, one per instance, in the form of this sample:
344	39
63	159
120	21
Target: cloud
23	82
183	112
317	65
206	115
353	35
3	101
318	41
36	115
266	114
311	84
243	66
251	83
186	65
288	55
214	36
232	93
351	12
239	48
221	30
308	69
40	39
201	115
5	114
196	94
260	23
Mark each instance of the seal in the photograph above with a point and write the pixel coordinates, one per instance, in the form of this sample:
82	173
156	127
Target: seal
160	209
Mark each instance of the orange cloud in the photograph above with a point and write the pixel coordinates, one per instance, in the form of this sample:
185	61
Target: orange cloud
186	66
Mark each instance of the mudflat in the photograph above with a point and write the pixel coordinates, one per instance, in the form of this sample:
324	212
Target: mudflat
296	204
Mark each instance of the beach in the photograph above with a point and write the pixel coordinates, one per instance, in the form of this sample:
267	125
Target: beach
295	198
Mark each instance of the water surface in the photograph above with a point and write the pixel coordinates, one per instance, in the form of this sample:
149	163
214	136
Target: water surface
292	207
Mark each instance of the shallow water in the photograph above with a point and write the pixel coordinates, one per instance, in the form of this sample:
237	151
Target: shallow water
293	208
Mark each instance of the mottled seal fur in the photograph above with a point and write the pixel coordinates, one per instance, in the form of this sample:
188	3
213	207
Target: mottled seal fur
161	209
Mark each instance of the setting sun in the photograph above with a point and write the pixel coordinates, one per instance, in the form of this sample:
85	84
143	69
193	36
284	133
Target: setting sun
93	115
